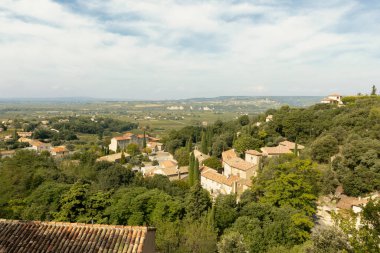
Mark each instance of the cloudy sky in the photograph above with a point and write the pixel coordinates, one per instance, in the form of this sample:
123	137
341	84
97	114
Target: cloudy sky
164	49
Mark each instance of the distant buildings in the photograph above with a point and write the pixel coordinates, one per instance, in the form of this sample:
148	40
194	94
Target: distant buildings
121	142
335	99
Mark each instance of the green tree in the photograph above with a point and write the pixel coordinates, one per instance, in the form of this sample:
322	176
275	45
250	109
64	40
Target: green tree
122	158
366	238
73	203
144	140
373	91
197	173
182	156
329	240
214	163
191	169
246	142
243	120
204	148
197	202
232	242
189	145
133	149
323	148
225	211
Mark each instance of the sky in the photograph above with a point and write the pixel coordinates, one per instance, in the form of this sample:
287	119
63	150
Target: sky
171	49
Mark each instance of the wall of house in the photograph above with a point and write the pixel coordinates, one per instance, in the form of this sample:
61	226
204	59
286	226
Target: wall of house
252	159
227	170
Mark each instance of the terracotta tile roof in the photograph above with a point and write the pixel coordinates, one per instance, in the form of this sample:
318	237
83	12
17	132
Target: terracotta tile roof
36	236
227	155
213	175
291	145
24	139
59	149
128	134
200	156
253	152
168	164
279	150
38	143
346	202
153	139
122	138
239	164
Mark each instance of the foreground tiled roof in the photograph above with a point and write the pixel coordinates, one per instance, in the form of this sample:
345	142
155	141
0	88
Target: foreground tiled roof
33	236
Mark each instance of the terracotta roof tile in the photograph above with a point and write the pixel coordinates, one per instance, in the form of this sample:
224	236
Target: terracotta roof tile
35	236
291	145
253	152
278	150
240	164
213	175
227	155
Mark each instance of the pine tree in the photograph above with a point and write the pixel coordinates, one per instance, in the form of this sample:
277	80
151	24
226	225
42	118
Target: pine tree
296	148
191	169
204	143
374	90
197	176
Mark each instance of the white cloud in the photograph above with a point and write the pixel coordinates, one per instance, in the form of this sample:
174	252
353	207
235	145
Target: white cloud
170	49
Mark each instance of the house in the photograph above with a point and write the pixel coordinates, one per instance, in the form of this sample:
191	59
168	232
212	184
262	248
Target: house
113	158
39	146
59	151
36	236
217	183
121	142
229	154
269	118
161	156
173	173
200	156
238	167
155	146
275	151
25	134
168	164
334	99
292	146
253	156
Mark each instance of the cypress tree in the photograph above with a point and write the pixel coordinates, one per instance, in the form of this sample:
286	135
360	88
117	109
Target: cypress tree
191	169
373	91
204	143
189	145
144	141
197	175
296	148
122	158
